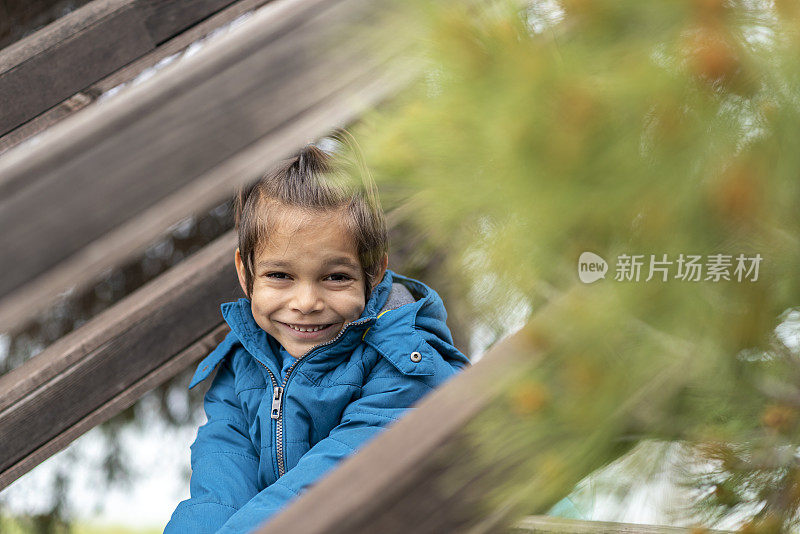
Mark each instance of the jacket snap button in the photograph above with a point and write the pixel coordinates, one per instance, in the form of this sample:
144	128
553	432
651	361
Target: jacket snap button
416	357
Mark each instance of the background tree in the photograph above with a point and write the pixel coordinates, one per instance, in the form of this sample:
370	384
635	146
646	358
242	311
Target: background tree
543	130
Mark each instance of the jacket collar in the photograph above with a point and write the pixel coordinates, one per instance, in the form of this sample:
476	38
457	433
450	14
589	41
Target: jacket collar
399	333
395	323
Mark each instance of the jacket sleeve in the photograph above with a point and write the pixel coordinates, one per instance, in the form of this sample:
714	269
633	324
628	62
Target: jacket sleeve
224	462
386	394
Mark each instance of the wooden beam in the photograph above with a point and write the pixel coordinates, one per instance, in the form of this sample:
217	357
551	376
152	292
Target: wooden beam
116	404
180	144
90	42
19	18
166	18
105	365
126	74
67	56
63	29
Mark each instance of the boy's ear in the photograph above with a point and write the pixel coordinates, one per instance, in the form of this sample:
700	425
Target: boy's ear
237	260
382	271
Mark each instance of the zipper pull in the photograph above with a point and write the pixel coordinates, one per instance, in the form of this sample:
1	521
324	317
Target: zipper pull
277	396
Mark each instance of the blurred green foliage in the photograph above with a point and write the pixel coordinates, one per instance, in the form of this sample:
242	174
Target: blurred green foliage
542	130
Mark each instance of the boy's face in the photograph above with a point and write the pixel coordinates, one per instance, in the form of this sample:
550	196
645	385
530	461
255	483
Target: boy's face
308	282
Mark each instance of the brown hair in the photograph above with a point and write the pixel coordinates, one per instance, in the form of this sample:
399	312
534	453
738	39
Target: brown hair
312	181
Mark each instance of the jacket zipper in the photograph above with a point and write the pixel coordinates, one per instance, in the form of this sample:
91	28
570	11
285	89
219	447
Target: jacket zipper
277	393
277	396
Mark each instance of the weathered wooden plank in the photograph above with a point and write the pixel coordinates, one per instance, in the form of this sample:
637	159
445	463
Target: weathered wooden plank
49	66
47	119
69	350
19	18
166	18
113	352
52	64
127	73
252	97
60	30
124	399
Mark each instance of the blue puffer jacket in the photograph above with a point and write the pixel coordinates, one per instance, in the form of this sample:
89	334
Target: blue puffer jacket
269	437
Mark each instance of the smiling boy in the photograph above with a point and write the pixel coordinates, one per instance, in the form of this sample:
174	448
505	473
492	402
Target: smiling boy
329	348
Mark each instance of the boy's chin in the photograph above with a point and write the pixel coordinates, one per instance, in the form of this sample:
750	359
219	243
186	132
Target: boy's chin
298	344
300	350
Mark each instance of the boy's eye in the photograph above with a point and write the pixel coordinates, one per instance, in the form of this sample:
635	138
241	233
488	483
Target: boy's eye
338	277
278	276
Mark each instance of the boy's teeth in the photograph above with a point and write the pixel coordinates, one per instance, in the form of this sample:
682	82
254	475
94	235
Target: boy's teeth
306	328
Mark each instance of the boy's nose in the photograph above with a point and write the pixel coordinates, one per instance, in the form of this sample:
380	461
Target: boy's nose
307	299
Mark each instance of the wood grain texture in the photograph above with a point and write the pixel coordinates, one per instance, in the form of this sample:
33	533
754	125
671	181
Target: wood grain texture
56	62
69	55
122	400
47	119
113	322
103	360
181	143
19	18
57	32
166	18
126	74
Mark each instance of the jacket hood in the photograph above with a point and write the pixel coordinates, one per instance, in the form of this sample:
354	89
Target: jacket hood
401	317
418	325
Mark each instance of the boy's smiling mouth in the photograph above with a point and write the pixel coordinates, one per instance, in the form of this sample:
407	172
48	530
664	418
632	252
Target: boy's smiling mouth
308	330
